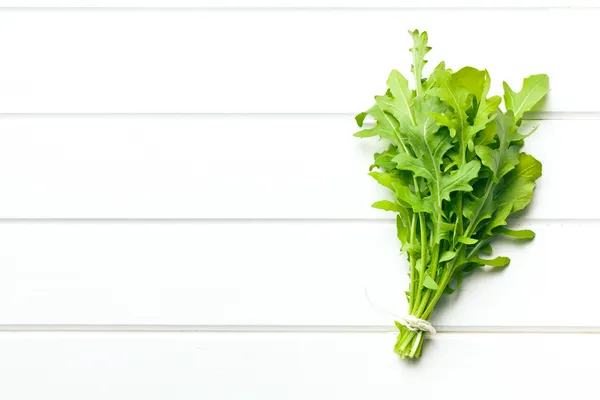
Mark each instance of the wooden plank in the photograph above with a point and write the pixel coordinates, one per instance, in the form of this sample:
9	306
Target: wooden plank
285	273
236	167
296	4
157	61
293	366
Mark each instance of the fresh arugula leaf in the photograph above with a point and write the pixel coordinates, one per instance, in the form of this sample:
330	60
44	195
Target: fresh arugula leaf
534	89
524	234
456	172
496	262
386	205
430	283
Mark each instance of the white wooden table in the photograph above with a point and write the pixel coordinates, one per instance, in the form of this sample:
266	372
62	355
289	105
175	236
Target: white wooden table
184	213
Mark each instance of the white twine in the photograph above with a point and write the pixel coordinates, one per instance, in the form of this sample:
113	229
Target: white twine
411	322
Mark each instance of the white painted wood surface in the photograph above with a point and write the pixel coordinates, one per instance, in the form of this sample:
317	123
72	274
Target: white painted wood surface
265	166
157	366
188	166
248	61
298	4
278	273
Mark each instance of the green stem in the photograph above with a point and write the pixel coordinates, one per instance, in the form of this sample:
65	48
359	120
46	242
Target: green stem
413	260
423	257
459	214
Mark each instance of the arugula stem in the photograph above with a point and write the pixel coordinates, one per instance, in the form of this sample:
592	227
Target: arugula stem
413	260
459	214
423	257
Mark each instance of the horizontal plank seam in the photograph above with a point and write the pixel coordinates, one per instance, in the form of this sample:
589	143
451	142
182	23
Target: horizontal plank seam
537	116
290	8
143	220
293	328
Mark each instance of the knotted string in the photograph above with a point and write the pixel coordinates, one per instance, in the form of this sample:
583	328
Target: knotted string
411	322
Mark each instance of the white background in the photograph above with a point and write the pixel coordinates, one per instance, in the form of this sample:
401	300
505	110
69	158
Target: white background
184	213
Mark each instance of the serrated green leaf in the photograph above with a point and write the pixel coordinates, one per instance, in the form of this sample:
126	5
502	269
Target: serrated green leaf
405	195
503	159
516	189
386	125
448	88
500	162
441	184
478	83
418	51
459	180
495	262
430	283
383	160
535	87
400	104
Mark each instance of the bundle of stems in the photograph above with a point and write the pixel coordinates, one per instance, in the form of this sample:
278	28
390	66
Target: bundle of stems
456	172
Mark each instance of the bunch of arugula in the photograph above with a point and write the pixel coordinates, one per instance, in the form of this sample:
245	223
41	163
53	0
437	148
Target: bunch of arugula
455	168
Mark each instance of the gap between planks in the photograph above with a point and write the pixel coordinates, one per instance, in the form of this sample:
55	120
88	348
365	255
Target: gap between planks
250	220
536	116
295	329
290	8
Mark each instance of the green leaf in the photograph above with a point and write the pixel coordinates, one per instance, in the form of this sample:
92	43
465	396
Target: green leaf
399	326
499	217
405	195
487	249
479	209
477	84
430	283
386	205
534	89
383	178
499	161
503	159
447	256
403	227
459	180
449	290
486	108
486	136
516	189
495	262
473	80
400	104
454	165
524	234
418	51
386	126
467	240
383	160
411	248
450	88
